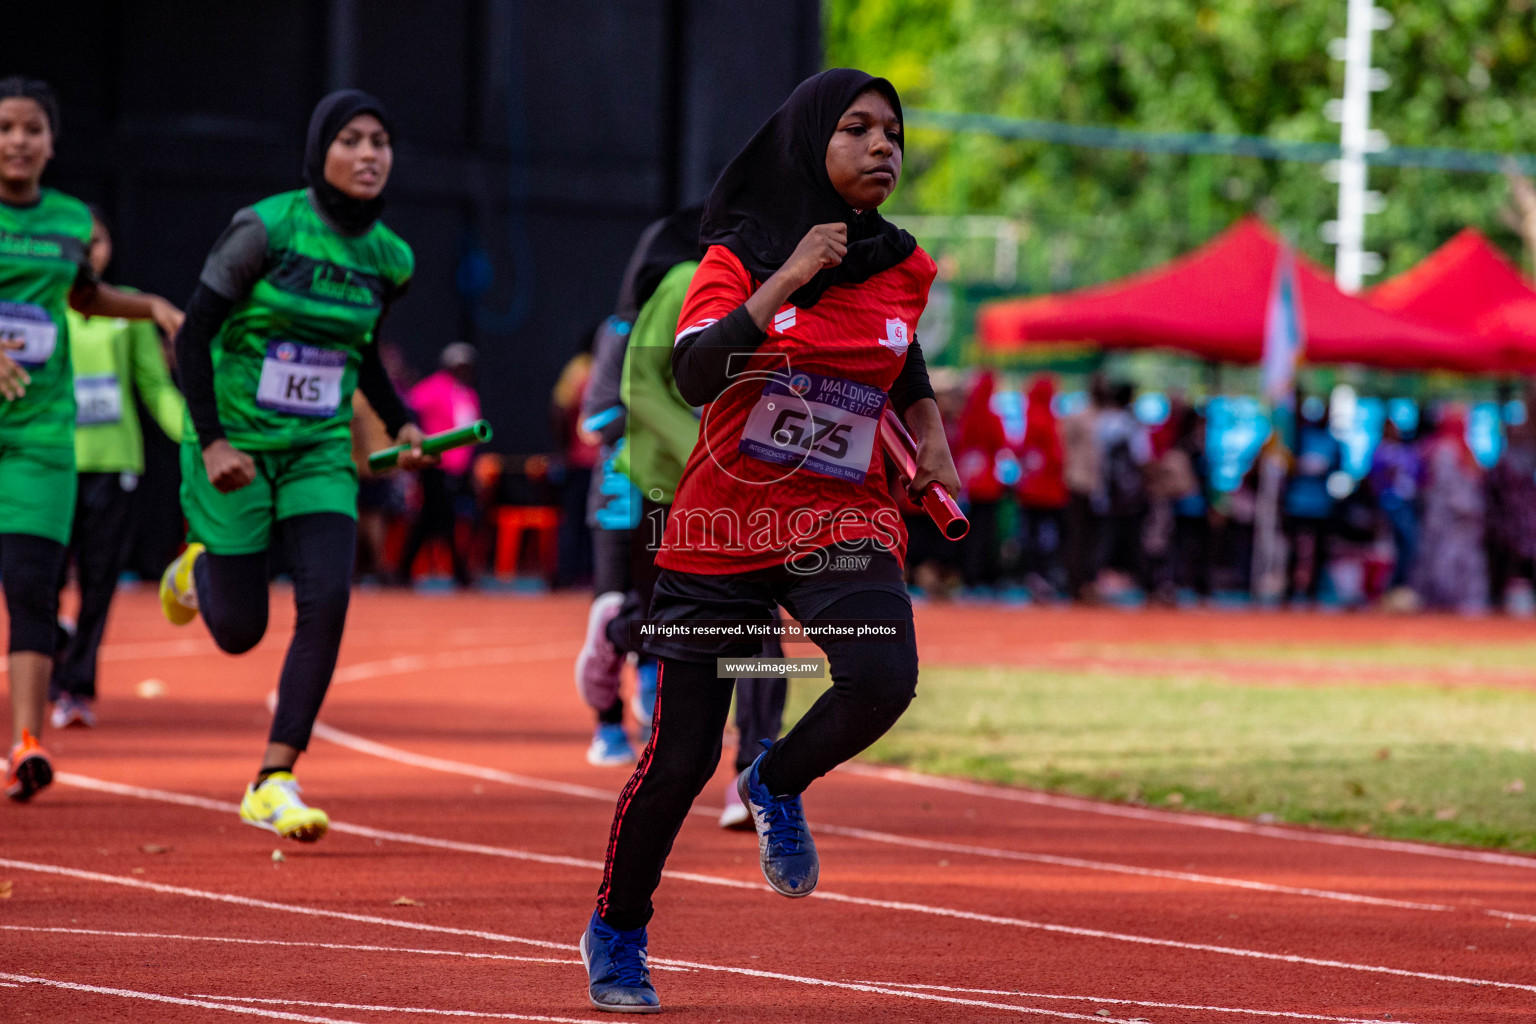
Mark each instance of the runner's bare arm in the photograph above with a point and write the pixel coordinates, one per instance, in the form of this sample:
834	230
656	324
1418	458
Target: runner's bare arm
13	379
934	462
104	300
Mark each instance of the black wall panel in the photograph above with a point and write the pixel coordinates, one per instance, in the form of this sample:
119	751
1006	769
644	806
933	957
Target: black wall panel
535	139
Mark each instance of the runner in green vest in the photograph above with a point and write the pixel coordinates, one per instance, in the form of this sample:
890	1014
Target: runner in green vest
279	333
114	361
44	236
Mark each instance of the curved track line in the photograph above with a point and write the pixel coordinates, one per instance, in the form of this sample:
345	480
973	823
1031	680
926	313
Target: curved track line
291	908
1289	1014
1508	916
405	664
349	946
469	1013
483	1014
439	764
916	908
1072	803
287	908
352	741
1096	933
398	666
1125	869
155	997
101	785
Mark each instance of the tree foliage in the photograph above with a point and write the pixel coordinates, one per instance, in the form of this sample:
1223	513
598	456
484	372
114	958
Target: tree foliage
1463	75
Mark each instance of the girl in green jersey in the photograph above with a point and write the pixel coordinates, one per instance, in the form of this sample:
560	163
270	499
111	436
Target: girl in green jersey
44	267
280	331
117	364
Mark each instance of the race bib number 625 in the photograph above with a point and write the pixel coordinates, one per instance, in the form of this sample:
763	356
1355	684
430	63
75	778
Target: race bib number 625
826	424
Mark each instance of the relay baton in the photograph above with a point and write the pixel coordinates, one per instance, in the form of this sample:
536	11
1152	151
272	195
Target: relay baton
432	444
941	508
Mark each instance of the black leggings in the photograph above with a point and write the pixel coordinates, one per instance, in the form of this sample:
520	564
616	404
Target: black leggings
98	542
29	572
232	597
872	684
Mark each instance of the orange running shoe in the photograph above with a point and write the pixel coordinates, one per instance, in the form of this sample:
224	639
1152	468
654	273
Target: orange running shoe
28	769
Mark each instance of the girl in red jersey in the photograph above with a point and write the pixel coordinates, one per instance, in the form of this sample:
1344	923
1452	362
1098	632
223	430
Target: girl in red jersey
796	332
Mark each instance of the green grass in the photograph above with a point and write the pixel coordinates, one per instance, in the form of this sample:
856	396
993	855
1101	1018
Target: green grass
1437	656
1408	762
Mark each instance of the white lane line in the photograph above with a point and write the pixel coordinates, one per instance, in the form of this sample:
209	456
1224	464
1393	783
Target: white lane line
352	741
155	997
1287	1014
348	946
85	782
414	663
857	987
438	764
1147	940
483	1014
354	947
149	650
287	908
1069	803
364	831
405	664
1126	869
1510	916
916	908
246	901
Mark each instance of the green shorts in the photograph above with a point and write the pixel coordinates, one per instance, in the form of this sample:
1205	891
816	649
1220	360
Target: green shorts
292	482
37	490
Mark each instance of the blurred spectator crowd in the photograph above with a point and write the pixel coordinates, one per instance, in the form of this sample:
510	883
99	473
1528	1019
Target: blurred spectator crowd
1095	505
1080	499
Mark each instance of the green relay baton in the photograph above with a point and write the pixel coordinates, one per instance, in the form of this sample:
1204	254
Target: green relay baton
433	444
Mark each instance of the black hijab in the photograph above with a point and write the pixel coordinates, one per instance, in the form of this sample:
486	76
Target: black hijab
353	216
676	242
776	189
663	245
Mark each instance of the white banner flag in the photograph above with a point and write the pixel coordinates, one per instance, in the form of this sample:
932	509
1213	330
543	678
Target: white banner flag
1285	335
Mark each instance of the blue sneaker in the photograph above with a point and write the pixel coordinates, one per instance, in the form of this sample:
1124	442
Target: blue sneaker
784	844
618	969
610	747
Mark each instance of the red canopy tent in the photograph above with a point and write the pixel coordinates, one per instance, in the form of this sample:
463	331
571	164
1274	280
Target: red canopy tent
1211	302
1468	286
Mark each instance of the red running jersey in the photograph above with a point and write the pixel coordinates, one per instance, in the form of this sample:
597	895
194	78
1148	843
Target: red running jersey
788	459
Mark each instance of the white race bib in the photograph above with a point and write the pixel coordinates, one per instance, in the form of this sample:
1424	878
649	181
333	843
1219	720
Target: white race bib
825	423
301	379
33	327
98	400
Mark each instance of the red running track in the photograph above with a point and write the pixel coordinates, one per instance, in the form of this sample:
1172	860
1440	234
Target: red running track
451	761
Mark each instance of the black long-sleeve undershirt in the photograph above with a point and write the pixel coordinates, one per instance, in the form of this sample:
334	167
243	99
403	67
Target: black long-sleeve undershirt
702	363
373	381
206	312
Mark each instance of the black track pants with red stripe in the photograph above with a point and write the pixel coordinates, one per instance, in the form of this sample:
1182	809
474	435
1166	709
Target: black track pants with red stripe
872	684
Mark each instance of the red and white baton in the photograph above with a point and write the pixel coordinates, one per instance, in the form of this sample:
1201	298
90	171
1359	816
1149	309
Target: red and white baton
937	502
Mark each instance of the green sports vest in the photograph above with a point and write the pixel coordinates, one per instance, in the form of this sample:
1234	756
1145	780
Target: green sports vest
285	362
42	251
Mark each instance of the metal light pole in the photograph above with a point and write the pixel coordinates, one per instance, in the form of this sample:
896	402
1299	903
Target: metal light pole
1356	139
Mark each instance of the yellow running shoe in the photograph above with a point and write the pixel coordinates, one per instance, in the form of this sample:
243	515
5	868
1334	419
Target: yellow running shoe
275	806
178	594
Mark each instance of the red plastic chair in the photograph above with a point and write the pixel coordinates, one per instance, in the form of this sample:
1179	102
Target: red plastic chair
513	522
